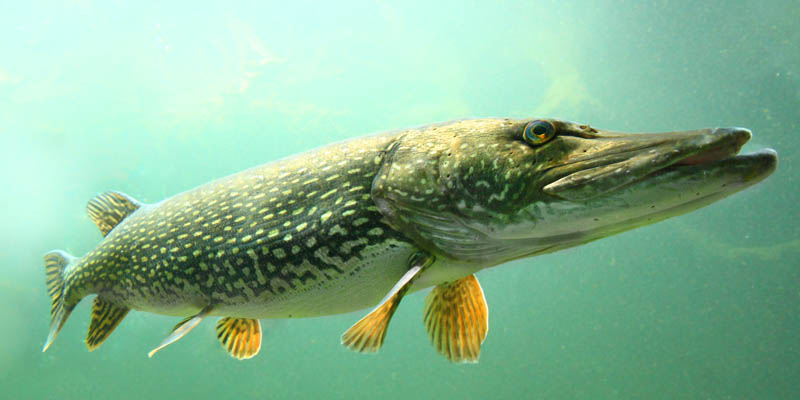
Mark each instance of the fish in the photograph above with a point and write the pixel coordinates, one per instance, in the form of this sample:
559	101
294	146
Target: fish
362	223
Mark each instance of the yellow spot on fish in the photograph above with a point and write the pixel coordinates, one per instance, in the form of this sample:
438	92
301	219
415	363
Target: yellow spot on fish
325	216
360	221
302	226
328	194
337	229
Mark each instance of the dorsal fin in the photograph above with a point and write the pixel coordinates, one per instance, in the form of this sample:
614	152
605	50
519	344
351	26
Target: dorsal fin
110	208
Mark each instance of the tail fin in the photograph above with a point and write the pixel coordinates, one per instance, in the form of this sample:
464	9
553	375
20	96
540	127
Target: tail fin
55	262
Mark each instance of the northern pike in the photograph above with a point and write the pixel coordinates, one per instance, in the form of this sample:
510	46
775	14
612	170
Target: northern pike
364	222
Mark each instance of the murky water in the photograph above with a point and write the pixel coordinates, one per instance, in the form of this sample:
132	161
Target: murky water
157	98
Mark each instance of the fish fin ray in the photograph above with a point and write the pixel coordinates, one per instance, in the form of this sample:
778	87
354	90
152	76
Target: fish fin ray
181	329
241	337
55	263
457	319
367	335
110	208
105	318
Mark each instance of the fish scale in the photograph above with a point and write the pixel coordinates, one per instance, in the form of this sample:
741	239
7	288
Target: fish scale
256	238
365	222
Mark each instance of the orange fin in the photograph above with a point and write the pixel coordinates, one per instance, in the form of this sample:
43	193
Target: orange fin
366	335
183	327
105	317
457	319
241	337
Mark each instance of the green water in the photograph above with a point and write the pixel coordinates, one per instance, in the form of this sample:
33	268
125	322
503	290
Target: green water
153	99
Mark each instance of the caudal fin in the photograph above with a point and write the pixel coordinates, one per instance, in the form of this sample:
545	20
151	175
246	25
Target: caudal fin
55	262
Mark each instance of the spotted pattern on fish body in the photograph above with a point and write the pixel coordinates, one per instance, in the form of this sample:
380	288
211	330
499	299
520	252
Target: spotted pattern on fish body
249	242
363	223
431	196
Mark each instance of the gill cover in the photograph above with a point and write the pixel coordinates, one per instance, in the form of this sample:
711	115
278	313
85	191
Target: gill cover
448	186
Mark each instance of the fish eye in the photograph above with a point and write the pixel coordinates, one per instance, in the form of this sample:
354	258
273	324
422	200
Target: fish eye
539	132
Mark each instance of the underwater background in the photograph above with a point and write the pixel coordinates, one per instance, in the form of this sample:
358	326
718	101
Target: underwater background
154	98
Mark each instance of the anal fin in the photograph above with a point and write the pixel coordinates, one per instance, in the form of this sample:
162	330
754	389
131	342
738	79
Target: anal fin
457	319
183	327
105	317
241	337
367	335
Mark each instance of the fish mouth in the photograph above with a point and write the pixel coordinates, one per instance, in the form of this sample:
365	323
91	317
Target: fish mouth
616	161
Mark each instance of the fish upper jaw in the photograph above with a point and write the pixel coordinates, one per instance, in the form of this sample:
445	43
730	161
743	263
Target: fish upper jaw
622	159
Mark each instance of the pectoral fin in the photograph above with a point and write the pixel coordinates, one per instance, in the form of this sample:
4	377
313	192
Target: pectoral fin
241	337
105	317
181	329
457	319
367	335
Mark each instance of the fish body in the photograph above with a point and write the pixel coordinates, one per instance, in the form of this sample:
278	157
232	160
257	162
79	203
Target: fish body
276	241
366	221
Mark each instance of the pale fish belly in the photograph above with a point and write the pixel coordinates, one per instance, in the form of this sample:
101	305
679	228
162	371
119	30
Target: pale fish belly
367	281
363	285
